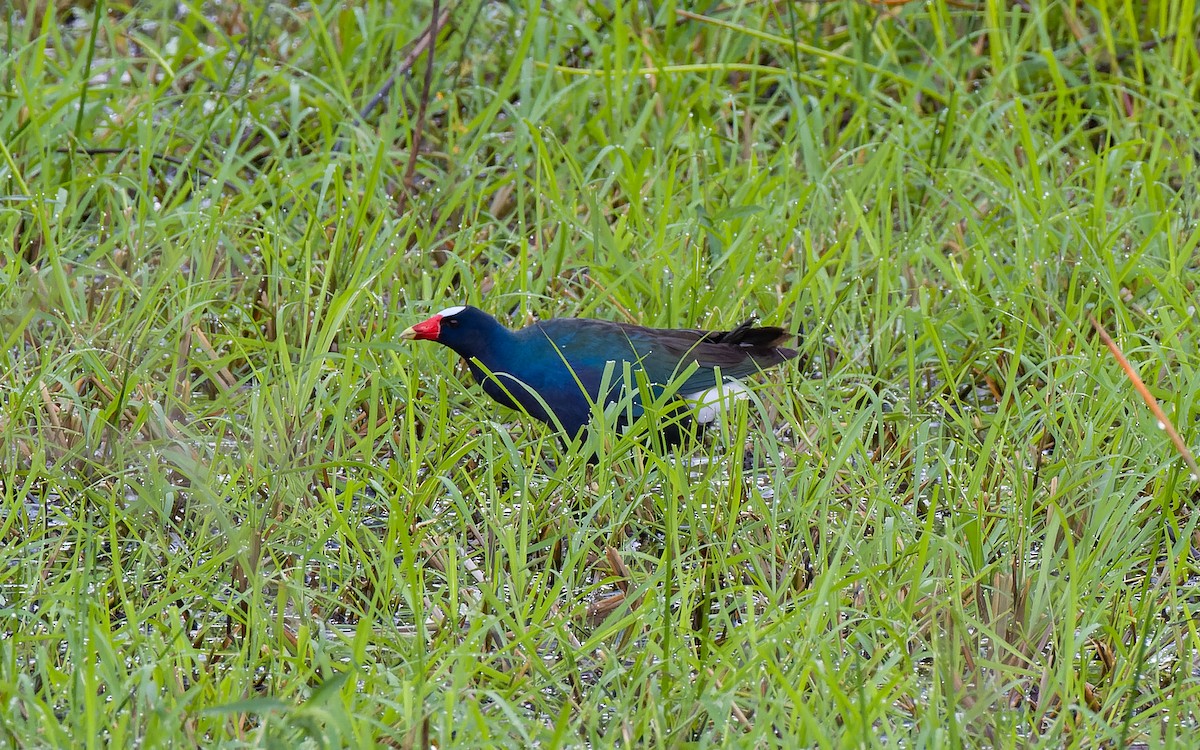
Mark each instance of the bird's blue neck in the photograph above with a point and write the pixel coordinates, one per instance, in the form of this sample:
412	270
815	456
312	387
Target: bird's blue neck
496	347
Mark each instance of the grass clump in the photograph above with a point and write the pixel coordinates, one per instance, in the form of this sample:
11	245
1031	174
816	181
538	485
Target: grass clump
237	510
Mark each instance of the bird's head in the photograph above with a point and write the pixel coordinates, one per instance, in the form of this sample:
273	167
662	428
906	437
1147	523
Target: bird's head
463	328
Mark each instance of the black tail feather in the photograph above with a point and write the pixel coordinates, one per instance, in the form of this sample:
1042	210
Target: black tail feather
750	336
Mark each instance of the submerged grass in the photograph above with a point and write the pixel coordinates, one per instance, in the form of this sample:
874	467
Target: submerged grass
237	509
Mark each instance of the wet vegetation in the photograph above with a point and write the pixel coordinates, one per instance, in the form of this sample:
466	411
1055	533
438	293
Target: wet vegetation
236	509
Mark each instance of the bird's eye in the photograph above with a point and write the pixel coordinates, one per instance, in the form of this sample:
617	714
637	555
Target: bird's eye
452	322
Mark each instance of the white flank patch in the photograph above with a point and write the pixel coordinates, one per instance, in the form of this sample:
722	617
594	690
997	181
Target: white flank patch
450	312
709	404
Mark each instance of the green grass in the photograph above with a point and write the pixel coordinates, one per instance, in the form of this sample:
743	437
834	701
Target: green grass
237	510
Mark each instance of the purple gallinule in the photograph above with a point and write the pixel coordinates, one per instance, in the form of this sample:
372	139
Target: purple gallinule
557	367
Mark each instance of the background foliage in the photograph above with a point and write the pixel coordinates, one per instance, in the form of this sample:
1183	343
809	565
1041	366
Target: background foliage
236	510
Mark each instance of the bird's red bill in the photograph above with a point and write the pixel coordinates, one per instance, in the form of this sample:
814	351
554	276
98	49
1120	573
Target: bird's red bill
429	330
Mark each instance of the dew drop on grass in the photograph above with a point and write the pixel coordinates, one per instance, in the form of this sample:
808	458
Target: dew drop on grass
1161	426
